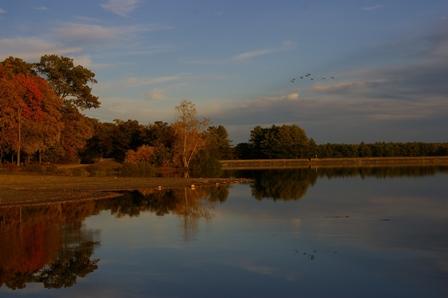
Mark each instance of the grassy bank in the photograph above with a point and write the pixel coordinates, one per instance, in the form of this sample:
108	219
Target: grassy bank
334	162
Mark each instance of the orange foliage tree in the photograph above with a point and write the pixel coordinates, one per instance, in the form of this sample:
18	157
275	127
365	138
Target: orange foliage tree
189	131
144	153
30	114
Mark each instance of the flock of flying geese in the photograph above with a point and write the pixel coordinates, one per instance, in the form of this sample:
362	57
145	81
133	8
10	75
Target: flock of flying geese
306	76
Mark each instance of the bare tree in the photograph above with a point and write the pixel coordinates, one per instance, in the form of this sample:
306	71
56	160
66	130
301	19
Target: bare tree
189	132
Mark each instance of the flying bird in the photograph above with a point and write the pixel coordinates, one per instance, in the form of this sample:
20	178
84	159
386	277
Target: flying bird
308	75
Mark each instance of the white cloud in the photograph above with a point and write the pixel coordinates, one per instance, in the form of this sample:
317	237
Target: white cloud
86	61
32	48
76	32
83	32
285	46
346	87
41	8
155	94
248	55
120	7
284	98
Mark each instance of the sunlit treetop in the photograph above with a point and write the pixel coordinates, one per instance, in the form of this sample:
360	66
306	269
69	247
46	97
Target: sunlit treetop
70	82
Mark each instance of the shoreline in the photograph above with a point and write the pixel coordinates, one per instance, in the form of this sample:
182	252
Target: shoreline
26	189
334	162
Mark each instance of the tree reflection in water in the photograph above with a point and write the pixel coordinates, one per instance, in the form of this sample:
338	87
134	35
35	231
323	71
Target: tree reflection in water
187	203
46	244
49	244
292	184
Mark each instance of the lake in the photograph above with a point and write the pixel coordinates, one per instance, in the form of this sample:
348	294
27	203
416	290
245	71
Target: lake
353	232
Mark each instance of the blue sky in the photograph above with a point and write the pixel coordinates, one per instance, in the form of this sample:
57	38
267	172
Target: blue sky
235	60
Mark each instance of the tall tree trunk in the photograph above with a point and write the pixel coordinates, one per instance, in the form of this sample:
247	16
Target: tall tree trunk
20	140
184	154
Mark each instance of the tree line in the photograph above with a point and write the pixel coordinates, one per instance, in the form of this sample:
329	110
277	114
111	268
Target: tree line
291	142
40	106
41	120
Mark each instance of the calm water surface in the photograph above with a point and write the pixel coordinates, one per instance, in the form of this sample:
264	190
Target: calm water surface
291	233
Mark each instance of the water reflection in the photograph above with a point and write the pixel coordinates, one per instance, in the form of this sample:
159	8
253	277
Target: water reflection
281	184
359	237
292	184
188	204
46	244
181	201
49	244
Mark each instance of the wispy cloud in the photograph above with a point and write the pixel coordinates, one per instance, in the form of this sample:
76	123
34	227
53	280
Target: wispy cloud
82	32
41	8
285	46
120	7
86	61
155	94
2	11
368	8
76	32
351	87
133	82
270	100
32	48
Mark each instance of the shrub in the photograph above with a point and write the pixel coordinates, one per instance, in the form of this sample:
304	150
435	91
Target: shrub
34	168
146	169
141	169
12	167
80	172
144	153
128	169
96	171
51	170
205	165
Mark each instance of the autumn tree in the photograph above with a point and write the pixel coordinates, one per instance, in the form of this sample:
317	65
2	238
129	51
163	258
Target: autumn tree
57	107
93	149
40	136
70	82
77	129
144	153
162	137
29	111
8	123
16	65
189	131
125	135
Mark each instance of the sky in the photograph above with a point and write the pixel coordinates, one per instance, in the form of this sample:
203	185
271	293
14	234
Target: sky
236	61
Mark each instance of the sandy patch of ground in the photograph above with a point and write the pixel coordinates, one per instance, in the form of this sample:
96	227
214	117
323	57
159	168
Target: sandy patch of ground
25	189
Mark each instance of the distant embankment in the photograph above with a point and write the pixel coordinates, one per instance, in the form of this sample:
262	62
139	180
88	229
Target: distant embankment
334	162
